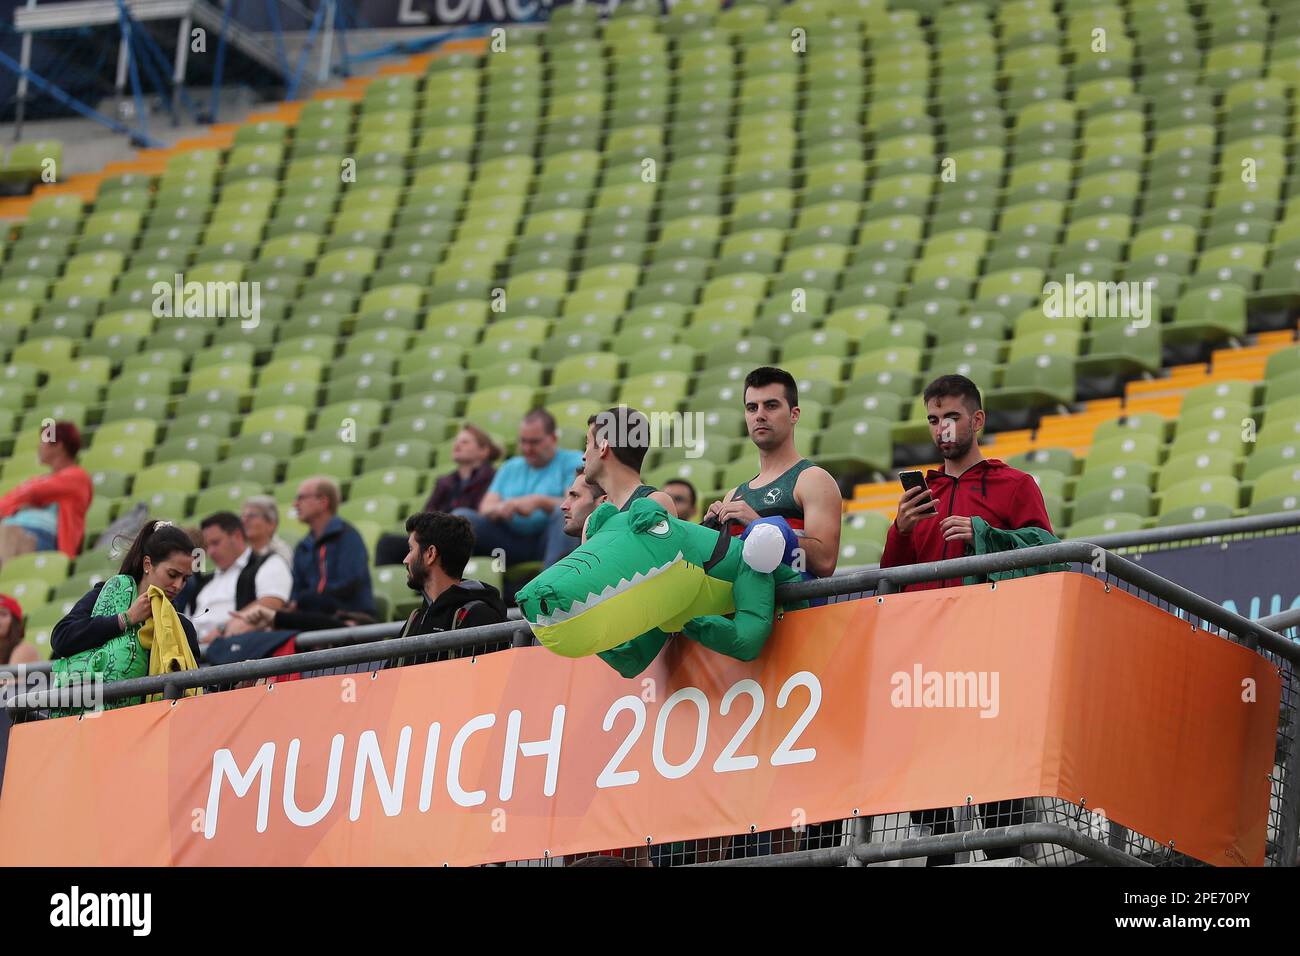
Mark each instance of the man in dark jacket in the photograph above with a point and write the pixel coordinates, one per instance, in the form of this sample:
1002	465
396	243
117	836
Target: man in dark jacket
936	526
331	569
440	547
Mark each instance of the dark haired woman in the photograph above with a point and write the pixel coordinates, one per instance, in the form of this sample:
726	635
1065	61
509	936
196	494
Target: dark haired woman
101	634
13	649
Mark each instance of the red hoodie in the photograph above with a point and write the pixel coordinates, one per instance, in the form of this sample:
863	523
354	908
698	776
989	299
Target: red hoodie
70	488
1005	497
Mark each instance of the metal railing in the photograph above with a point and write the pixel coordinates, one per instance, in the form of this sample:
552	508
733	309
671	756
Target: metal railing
1186	535
1051	832
1189	535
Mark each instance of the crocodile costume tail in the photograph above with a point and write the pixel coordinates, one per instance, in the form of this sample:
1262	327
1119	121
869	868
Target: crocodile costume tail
642	575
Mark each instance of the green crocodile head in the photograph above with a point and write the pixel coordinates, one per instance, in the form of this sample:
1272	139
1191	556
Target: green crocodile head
639	569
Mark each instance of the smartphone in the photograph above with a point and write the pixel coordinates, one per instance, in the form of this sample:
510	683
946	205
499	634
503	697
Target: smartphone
916	479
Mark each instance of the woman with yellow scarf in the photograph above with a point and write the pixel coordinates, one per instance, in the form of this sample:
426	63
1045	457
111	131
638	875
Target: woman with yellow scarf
127	627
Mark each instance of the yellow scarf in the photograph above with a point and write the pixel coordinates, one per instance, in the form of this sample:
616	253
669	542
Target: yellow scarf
164	638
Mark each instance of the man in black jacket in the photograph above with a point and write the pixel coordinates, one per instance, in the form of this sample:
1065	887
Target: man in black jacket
440	547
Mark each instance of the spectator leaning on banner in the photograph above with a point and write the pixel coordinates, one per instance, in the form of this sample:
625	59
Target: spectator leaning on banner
969	485
240	577
48	513
617	441
580	501
331	569
520	514
788	490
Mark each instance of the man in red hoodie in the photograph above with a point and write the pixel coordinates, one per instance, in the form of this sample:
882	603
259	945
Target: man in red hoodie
48	513
937	526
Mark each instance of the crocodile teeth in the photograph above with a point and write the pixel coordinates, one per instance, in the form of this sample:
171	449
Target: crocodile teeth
609	591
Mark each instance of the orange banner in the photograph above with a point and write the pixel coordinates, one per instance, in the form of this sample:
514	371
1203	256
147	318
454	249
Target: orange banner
1048	686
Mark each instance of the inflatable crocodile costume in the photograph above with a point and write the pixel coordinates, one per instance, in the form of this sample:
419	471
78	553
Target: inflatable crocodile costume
643	575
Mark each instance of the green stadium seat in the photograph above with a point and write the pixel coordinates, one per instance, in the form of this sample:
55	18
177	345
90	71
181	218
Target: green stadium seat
1098	525
225	497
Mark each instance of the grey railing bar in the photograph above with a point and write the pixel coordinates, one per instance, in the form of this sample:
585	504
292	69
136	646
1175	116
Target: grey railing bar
1248	524
1283	620
1244	628
362	653
18	670
363	633
339	636
1065	552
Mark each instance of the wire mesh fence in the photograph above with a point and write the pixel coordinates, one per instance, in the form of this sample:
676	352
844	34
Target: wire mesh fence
1032	831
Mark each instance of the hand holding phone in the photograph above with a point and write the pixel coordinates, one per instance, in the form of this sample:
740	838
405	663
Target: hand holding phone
916	502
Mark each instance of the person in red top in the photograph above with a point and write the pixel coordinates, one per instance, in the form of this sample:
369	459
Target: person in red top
48	512
937	526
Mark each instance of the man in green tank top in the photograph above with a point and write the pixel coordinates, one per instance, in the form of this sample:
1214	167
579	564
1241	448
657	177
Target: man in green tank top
787	485
617	441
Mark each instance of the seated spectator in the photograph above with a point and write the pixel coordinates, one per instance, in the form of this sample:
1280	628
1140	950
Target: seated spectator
440	547
520	514
13	649
259	617
331	568
160	557
474	453
48	513
260	517
684	497
240	578
580	500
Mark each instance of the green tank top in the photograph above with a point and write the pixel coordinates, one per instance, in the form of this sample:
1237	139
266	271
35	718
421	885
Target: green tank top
776	498
642	491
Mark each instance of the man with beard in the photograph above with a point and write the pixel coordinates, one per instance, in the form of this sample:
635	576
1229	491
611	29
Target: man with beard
788	487
937	525
440	547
